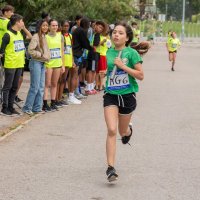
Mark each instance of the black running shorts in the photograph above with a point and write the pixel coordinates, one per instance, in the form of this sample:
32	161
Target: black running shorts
126	103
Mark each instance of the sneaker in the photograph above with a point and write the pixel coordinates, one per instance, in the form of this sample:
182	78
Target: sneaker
46	108
89	92
17	99
58	104
74	100
111	174
54	107
14	112
80	96
64	103
6	112
125	139
28	112
39	112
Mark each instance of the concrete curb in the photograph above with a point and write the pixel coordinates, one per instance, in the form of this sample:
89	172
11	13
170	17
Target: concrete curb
17	128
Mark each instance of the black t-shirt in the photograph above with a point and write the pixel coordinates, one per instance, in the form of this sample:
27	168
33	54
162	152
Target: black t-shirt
80	42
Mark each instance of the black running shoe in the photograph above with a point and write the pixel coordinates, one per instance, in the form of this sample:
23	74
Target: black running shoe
46	108
53	107
6	112
14	112
58	104
111	174
125	139
17	99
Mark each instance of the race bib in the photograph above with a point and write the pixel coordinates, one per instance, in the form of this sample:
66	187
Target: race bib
108	44
55	53
120	81
68	49
19	45
174	45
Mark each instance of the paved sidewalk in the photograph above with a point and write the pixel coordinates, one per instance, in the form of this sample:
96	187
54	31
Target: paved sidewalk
8	124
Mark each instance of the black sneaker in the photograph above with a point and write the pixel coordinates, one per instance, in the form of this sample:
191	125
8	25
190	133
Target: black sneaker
17	99
58	104
46	108
14	112
64	103
111	174
6	112
54	107
125	139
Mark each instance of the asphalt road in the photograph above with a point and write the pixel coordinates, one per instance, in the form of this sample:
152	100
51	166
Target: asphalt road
61	155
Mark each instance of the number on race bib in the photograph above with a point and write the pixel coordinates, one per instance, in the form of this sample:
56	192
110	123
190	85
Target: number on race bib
19	45
120	81
55	53
68	50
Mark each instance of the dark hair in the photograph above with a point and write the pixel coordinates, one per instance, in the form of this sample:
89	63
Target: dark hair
44	15
134	23
105	26
78	17
7	8
38	30
15	18
51	20
85	23
128	29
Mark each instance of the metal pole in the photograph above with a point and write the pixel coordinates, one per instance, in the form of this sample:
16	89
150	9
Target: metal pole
183	22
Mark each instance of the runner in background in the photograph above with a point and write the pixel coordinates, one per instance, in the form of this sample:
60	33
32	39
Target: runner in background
173	43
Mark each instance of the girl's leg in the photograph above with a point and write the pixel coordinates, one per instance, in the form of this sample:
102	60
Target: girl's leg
111	118
102	79
173	60
48	75
123	125
54	82
62	84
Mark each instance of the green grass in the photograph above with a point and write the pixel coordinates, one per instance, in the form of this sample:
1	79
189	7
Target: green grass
161	29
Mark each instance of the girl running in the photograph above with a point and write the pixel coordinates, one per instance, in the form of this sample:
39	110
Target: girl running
39	51
55	66
119	97
173	43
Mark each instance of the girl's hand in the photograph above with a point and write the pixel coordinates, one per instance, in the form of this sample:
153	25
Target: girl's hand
118	62
62	70
74	65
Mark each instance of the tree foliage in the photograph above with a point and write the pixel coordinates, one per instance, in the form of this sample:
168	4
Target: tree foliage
109	10
175	7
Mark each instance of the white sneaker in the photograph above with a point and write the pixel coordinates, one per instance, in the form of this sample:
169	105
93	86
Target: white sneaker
80	96
73	100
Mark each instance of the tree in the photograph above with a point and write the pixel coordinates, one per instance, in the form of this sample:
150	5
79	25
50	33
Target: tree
175	8
109	10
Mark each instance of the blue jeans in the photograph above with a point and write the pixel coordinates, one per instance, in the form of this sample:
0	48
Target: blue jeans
34	99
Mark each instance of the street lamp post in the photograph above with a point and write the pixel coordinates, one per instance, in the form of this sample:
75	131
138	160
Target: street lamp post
183	22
